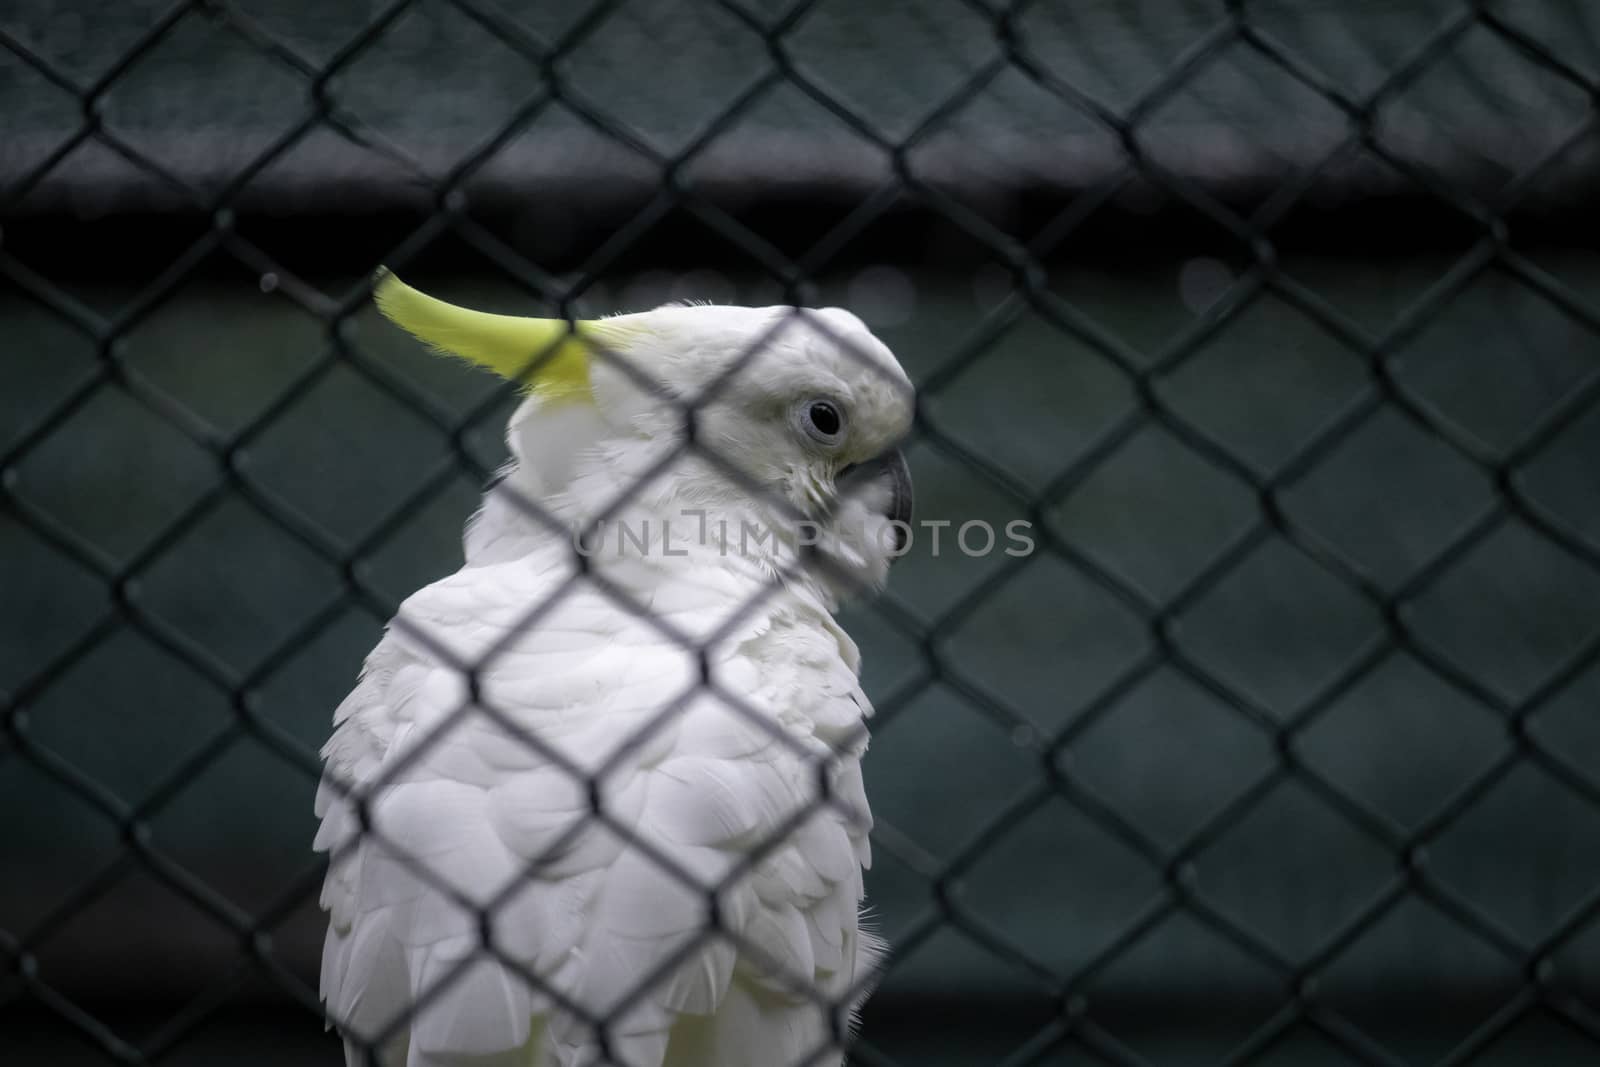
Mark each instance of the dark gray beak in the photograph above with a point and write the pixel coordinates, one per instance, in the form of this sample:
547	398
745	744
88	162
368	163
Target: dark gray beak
890	467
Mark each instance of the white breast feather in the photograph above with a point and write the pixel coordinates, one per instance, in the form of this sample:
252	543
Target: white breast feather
467	815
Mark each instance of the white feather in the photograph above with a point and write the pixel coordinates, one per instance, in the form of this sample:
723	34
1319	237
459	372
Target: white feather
556	800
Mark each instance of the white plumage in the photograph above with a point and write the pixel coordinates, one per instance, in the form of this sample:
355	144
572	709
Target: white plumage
481	802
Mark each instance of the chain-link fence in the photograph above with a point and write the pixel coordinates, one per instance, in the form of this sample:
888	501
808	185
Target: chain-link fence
1272	318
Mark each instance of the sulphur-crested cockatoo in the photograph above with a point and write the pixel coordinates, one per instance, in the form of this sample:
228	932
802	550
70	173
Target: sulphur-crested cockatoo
597	796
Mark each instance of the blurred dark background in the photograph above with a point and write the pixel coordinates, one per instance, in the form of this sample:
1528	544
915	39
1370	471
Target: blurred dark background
1276	317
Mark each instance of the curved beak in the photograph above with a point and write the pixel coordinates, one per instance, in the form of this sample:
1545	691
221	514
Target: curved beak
891	468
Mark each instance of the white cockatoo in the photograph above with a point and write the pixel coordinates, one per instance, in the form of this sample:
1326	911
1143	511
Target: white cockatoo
597	796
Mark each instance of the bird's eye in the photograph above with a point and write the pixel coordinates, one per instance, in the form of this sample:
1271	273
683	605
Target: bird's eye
822	420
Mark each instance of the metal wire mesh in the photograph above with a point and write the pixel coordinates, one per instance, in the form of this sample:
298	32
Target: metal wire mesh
1235	25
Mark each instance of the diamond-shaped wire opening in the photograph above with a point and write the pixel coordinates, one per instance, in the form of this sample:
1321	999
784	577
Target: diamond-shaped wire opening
1112	55
344	454
45	872
1124	515
1325	870
759	145
229	857
1207	1027
1168	756
77	720
1425	240
1052	662
174	347
1009	137
533	177
1241	116
70	41
1528	829
1401	951
1075	396
197	132
1515	609
1479	110
236	614
1356	50
339	165
97	940
1012	999
1281	649
670	110
1201	267
951	35
1387	466
1368	740
466	105
1076	869
1557	34
1266	384
1497	339
129	441
951	740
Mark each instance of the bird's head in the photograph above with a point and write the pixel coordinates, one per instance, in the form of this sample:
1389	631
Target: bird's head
791	415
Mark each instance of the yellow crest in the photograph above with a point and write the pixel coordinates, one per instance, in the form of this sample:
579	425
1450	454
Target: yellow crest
548	356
